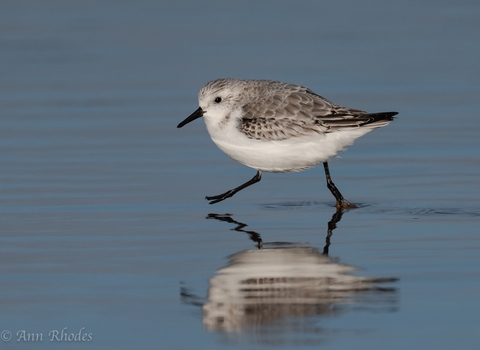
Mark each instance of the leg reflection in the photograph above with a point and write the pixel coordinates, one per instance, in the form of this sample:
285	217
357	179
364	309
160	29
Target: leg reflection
332	225
254	236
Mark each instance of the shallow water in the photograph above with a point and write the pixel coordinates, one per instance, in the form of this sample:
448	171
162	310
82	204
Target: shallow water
105	230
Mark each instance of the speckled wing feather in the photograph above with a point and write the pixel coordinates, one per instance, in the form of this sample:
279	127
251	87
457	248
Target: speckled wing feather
290	110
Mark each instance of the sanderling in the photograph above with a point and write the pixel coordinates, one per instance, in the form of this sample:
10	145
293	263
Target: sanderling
279	127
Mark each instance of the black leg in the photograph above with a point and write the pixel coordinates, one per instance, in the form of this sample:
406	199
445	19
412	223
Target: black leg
228	194
341	202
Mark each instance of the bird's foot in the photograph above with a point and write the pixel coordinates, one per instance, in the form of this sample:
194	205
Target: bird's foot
344	204
220	197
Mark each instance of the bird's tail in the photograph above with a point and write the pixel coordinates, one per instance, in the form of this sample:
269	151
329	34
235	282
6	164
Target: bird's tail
376	120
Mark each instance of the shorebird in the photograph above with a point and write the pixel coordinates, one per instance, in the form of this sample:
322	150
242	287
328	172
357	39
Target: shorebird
272	126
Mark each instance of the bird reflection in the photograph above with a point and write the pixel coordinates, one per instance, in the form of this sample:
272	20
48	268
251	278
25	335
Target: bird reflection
261	290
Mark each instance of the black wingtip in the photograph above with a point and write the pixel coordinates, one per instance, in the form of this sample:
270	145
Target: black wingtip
381	116
392	113
386	114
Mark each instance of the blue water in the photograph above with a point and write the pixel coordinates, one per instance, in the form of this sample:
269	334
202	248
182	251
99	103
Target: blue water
104	227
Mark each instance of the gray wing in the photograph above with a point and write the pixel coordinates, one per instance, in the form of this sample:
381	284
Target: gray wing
292	111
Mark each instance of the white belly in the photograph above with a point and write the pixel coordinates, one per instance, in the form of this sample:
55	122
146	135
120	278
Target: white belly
294	154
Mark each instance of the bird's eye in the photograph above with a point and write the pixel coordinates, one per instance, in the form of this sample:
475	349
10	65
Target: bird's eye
218	100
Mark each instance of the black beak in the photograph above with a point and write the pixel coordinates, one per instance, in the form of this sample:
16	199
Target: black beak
195	115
